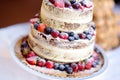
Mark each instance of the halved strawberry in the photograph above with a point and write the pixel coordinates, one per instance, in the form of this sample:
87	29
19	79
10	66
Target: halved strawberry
88	65
30	54
59	3
41	62
81	66
41	27
32	60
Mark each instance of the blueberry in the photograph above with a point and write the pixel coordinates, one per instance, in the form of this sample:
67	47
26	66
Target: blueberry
70	33
24	44
93	26
69	70
76	37
48	30
96	50
71	38
56	65
83	3
66	66
86	32
72	1
89	37
35	25
94	64
61	67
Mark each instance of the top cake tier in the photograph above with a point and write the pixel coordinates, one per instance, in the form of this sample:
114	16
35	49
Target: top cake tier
66	15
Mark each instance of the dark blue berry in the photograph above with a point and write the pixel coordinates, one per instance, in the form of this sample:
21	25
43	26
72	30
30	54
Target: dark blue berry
83	3
47	30
69	70
76	5
76	37
35	25
66	66
89	37
86	32
72	1
71	38
24	44
96	50
56	65
94	64
70	33
61	67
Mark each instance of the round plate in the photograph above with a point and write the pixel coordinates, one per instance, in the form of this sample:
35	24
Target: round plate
50	77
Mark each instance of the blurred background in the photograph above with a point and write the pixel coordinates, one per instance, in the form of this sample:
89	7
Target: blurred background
106	17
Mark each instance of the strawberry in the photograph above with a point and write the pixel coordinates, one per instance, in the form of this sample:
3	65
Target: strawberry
30	54
55	33
41	27
81	66
74	67
41	62
59	3
63	35
88	65
49	64
32	60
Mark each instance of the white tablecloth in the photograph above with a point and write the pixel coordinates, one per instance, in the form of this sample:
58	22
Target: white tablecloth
9	70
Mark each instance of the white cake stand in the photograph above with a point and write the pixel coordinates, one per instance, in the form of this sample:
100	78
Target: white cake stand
49	77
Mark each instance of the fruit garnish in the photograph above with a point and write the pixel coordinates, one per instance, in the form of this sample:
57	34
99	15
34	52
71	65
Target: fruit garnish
31	54
81	66
59	3
74	67
49	64
63	35
41	62
55	33
32	60
41	27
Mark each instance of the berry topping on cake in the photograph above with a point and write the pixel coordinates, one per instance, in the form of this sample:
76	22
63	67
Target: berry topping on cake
81	66
88	65
49	64
41	27
47	30
63	35
55	33
69	70
52	1
25	51
67	3
31	54
71	38
76	5
71	33
59	3
89	37
61	67
56	65
82	36
41	62
76	37
72	1
74	67
32	60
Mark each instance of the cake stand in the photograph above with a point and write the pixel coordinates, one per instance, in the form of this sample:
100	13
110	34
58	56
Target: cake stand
49	77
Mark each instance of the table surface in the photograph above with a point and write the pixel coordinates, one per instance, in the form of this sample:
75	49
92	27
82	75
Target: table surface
9	70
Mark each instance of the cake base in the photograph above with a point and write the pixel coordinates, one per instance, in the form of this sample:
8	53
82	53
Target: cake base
16	53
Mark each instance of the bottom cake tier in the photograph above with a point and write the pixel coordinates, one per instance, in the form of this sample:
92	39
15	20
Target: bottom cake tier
72	70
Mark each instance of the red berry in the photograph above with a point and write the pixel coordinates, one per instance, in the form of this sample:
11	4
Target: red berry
41	62
67	3
81	7
52	1
74	67
49	64
36	15
59	3
88	6
88	65
63	35
30	54
32	60
41	27
81	66
82	36
55	33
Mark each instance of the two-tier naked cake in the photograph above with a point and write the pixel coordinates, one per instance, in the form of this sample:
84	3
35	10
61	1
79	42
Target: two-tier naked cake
61	40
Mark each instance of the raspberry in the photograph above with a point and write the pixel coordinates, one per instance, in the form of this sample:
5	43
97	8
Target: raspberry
55	33
49	64
41	62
